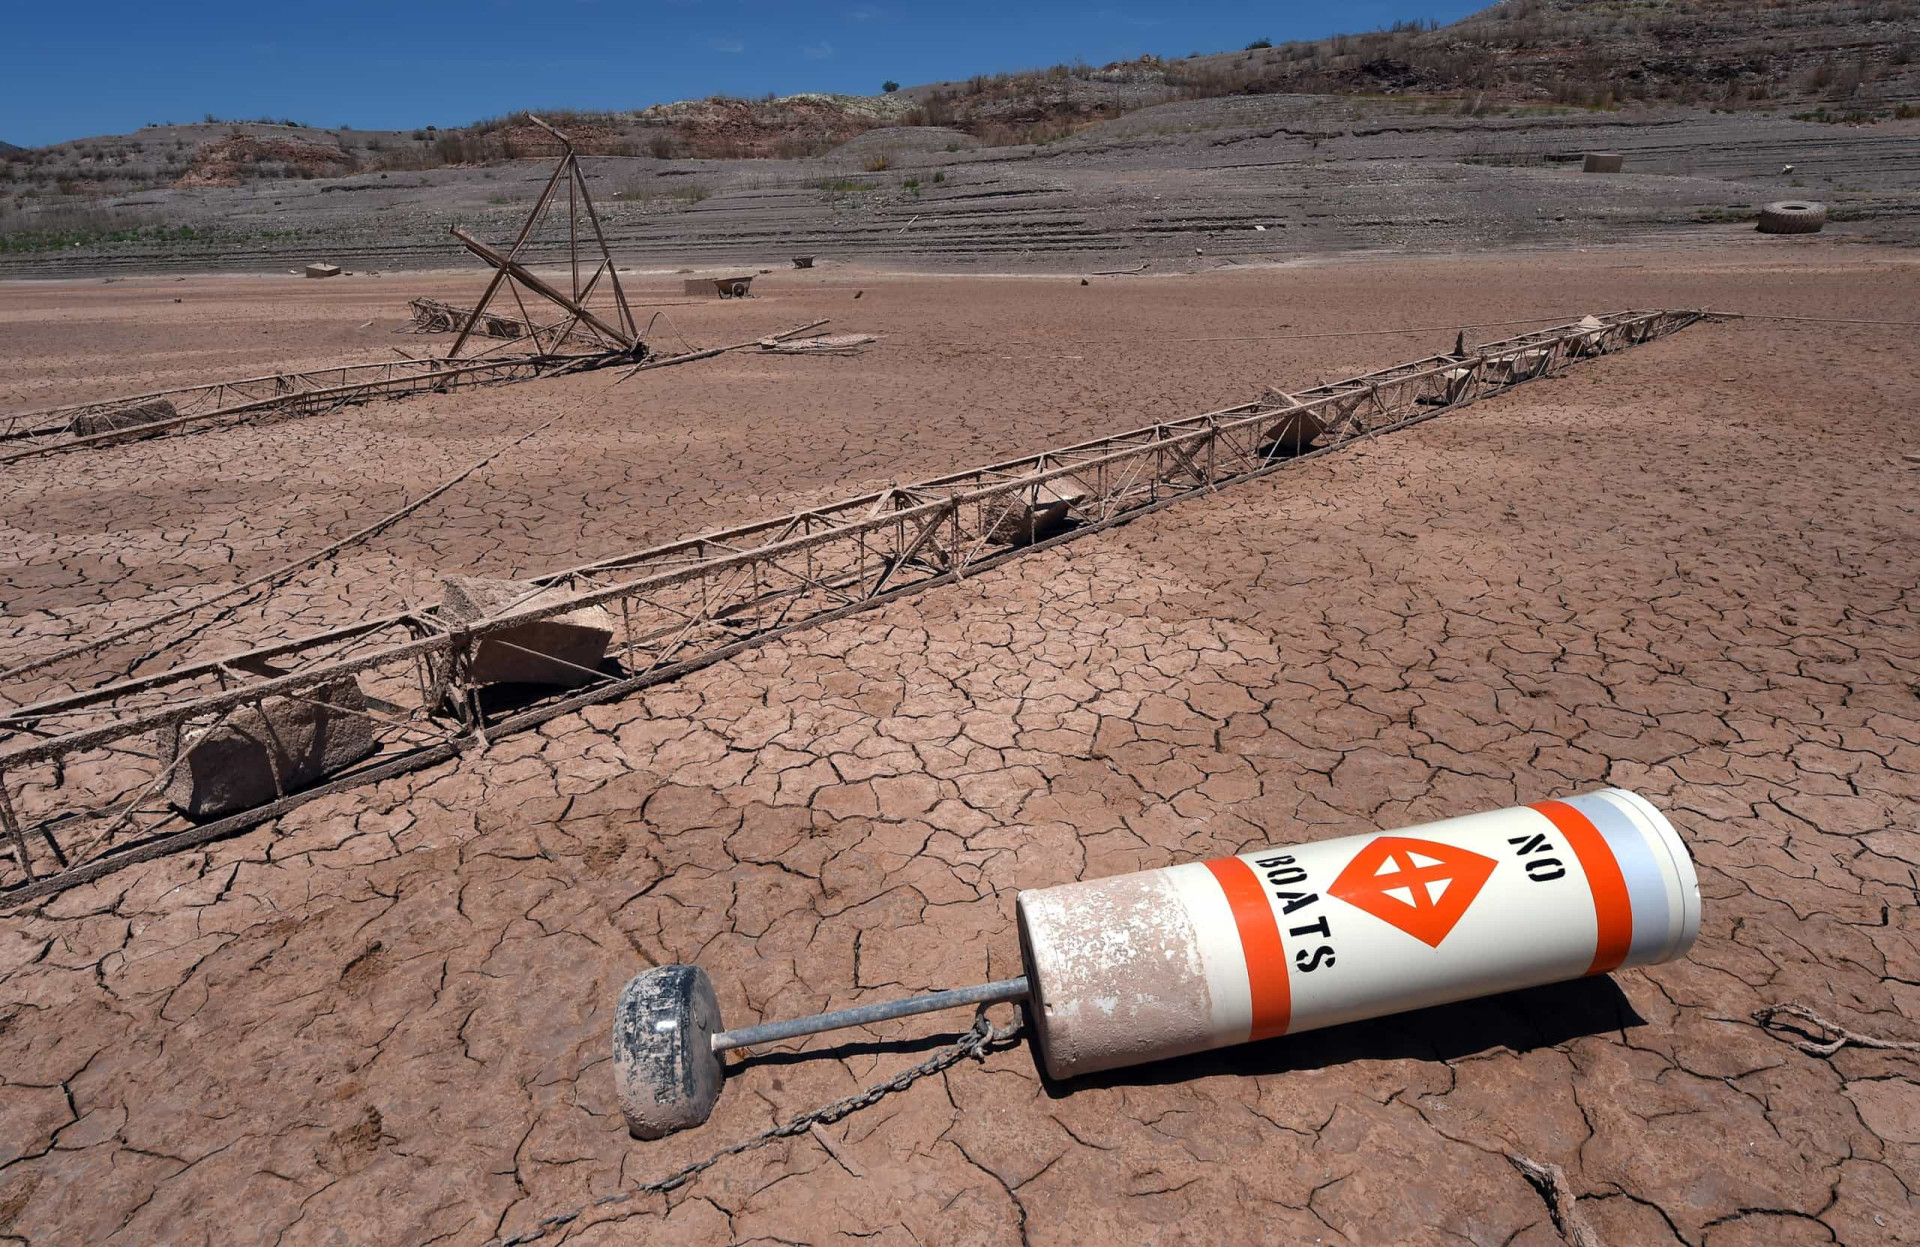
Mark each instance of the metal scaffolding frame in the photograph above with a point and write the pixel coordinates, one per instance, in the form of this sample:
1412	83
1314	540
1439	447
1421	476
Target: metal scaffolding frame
542	347
84	783
50	429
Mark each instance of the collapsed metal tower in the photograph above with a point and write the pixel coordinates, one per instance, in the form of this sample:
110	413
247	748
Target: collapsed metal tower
78	779
584	336
619	335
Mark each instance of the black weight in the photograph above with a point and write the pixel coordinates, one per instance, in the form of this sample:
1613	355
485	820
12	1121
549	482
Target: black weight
665	1071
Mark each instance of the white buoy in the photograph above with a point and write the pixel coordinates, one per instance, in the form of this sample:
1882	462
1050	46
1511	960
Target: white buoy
1273	942
1282	940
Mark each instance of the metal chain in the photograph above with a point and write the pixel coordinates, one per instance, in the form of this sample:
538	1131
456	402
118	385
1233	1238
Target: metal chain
976	1043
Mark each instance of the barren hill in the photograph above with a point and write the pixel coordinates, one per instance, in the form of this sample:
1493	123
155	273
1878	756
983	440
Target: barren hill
1604	53
1711	95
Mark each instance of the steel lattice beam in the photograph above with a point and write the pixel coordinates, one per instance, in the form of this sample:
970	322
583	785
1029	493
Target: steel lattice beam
689	603
51	429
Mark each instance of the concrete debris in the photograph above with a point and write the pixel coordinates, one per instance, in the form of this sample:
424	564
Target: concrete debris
1294	432
151	412
1041	514
566	650
265	751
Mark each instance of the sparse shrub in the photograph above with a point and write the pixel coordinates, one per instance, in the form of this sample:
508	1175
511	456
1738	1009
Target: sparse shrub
940	176
59	228
1257	44
646	193
889	87
880	163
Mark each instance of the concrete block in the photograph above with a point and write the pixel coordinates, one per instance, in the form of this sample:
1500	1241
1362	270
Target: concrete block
1037	514
1293	433
562	649
1603	162
323	270
149	412
231	766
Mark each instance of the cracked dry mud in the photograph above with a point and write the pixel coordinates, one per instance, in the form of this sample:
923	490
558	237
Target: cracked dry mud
1688	570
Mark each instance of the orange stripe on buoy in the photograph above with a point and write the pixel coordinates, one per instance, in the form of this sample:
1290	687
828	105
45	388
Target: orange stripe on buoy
1612	910
1260	943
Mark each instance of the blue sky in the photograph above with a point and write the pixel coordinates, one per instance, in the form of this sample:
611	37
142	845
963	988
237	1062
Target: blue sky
107	68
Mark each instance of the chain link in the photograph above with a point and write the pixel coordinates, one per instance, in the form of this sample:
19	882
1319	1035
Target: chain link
976	1043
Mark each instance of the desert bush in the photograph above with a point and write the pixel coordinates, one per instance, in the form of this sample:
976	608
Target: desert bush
54	229
648	193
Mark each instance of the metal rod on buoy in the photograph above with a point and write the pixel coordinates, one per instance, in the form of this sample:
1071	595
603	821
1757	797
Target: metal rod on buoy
861	1015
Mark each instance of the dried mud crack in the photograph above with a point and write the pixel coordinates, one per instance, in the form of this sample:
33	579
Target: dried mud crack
385	1016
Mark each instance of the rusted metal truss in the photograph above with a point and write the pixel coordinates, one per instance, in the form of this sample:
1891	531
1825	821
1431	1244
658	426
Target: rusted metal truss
614	329
582	338
77	772
54	429
433	316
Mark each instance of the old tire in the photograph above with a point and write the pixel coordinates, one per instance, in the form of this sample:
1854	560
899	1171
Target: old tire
1793	216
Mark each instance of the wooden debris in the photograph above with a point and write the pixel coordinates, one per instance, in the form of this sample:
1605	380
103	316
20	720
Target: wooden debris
825	344
1551	1181
1834	1036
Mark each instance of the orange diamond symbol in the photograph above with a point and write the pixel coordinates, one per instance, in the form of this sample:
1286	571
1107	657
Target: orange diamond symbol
1419	886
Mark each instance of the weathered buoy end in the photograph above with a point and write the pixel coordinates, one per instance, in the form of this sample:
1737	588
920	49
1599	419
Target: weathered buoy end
665	1071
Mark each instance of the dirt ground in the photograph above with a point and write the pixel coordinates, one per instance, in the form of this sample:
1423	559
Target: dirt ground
1687	569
